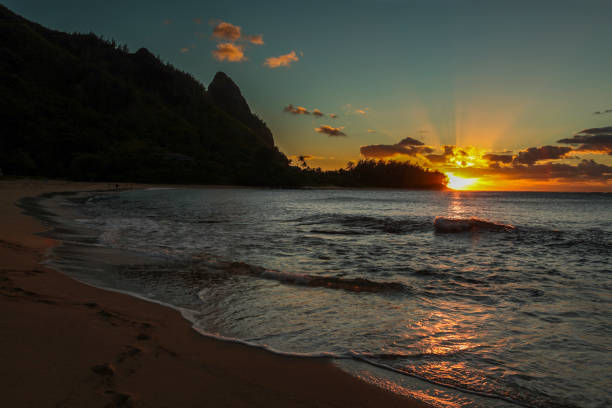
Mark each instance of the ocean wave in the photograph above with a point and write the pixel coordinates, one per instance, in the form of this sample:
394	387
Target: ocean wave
330	282
362	224
472	224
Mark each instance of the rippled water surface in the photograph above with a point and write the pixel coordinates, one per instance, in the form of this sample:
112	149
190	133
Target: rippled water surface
516	306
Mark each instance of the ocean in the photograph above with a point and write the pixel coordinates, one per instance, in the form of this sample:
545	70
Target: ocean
461	299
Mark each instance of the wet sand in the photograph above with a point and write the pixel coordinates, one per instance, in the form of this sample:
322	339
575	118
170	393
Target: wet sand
67	344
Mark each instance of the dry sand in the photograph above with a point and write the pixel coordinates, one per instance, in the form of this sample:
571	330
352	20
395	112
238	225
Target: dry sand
67	344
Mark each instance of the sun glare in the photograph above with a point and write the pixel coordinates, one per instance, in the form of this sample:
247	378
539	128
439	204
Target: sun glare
459	183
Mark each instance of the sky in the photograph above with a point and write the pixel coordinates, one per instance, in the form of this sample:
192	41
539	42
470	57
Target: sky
500	95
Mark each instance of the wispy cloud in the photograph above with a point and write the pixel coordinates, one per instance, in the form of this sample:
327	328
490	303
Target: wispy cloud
384	151
184	50
330	130
408	141
602	112
584	171
407	147
282	60
594	140
361	111
256	39
371	131
229	52
296	110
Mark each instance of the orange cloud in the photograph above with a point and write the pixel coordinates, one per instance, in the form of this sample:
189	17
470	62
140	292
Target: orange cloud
317	112
254	39
330	130
296	110
226	31
229	52
184	50
282	60
333	115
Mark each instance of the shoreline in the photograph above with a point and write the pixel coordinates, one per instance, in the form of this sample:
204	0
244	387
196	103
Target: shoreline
78	345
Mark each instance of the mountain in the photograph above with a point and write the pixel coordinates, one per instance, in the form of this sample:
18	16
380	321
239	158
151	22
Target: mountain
78	106
226	95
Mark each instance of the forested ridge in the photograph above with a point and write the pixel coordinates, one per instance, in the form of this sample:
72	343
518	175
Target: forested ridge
81	107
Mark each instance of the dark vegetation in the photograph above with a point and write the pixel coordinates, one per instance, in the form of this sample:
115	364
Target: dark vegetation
80	107
372	173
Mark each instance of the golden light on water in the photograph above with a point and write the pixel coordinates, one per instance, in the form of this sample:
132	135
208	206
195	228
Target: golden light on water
460	183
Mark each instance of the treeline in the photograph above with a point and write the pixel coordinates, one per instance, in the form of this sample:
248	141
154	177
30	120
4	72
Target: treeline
372	173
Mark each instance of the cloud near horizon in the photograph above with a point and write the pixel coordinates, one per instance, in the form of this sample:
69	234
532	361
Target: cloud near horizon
317	112
407	147
542	164
408	141
585	171
532	155
594	140
229	52
330	130
601	113
498	158
282	60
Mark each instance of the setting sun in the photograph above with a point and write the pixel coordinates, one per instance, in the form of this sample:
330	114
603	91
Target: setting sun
459	183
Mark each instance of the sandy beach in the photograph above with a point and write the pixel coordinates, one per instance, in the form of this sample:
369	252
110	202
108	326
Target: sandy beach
67	344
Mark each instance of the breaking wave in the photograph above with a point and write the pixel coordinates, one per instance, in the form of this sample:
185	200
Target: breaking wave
330	282
473	224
